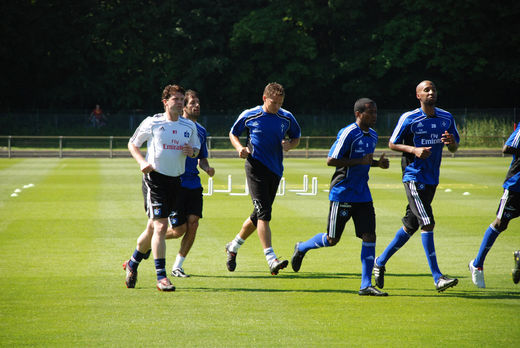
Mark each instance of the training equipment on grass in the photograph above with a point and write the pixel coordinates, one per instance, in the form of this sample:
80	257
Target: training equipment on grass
280	192
314	188
305	185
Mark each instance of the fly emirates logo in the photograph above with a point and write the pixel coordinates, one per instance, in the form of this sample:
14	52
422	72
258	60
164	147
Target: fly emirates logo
175	145
434	139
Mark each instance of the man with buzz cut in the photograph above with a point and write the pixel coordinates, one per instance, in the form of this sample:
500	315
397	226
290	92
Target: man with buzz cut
421	135
349	193
170	139
267	127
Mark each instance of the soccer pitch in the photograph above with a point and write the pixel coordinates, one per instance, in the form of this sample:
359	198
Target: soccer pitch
72	223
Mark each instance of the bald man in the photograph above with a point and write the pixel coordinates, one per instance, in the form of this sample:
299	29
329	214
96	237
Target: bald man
421	135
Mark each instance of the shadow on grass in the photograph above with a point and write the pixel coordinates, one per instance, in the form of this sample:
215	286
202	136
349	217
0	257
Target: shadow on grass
282	275
336	291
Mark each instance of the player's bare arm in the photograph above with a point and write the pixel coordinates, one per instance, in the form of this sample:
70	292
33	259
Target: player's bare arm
138	156
204	165
346	162
382	162
289	144
509	150
449	139
421	152
243	151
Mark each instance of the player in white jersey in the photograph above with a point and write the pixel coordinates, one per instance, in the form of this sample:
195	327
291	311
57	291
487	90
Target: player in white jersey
170	138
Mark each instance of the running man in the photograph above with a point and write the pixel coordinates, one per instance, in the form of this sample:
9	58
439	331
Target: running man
349	194
170	139
508	209
185	221
267	126
421	135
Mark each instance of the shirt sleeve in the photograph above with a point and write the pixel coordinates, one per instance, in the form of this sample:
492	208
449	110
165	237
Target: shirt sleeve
514	139
143	133
294	131
341	146
239	125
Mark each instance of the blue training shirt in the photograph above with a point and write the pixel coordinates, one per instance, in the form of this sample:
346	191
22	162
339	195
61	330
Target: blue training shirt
416	129
265	134
350	184
190	179
512	182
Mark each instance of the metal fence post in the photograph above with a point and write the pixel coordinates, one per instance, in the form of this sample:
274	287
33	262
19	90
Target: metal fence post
111	141
209	146
307	147
9	146
61	146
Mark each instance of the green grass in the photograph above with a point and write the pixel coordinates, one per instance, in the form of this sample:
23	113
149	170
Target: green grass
63	242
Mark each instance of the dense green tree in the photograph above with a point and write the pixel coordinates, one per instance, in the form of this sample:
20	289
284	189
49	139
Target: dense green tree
62	54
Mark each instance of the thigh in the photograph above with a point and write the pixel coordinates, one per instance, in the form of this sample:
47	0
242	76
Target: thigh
162	192
262	184
509	206
420	197
339	214
364	217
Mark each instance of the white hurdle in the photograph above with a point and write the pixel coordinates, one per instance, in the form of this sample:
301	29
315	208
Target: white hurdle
281	188
245	193
210	188
314	190
228	185
305	185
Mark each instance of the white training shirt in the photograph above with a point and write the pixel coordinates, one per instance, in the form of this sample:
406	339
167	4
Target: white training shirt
165	141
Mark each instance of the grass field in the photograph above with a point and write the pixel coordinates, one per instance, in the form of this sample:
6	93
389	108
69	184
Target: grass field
64	239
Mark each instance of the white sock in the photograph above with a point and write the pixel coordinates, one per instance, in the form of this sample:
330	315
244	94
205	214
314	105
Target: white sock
270	256
236	244
178	261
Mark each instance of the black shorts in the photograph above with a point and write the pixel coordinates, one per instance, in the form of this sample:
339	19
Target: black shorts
263	185
509	206
419	209
363	215
160	194
189	202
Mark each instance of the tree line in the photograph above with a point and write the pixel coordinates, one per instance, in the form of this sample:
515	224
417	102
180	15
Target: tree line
121	53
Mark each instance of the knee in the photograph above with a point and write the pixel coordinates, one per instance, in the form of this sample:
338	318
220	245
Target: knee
332	241
193	223
368	237
500	225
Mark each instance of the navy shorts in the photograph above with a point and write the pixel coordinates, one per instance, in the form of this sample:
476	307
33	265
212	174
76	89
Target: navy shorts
363	215
419	209
189	202
509	206
160	194
263	185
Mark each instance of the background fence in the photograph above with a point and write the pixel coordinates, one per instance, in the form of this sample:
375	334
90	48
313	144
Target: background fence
218	146
123	123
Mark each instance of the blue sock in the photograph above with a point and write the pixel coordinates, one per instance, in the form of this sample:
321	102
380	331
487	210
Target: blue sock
429	249
487	242
160	268
135	259
368	252
400	239
318	241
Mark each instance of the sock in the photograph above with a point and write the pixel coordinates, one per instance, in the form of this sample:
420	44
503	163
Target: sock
179	260
160	268
136	258
429	249
368	252
236	244
270	256
487	242
318	241
400	239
